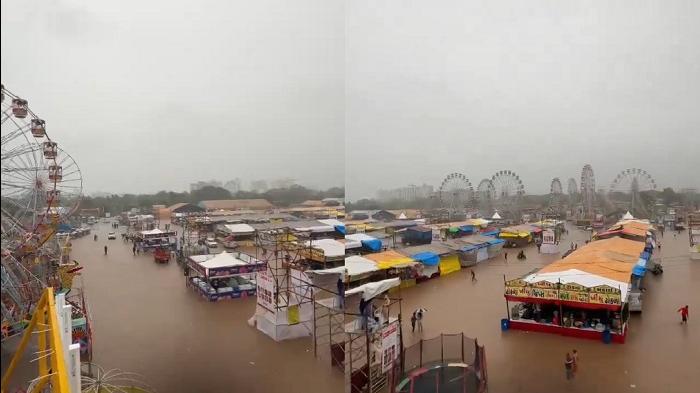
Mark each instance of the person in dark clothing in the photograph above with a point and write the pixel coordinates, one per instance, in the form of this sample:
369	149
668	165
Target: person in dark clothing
684	314
413	323
341	293
105	250
505	255
473	276
363	315
133	249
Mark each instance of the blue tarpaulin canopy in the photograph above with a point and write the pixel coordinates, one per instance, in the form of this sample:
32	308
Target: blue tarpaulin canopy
467	229
340	229
646	255
640	268
427	258
372	244
491	233
496	241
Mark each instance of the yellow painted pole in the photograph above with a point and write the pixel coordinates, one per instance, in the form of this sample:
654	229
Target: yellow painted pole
22	345
59	379
43	359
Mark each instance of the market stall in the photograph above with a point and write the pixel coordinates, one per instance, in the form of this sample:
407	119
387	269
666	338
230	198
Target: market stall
397	265
223	276
432	256
584	295
156	238
324	252
519	235
366	242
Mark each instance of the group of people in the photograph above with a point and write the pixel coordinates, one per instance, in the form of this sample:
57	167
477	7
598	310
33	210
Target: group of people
417	319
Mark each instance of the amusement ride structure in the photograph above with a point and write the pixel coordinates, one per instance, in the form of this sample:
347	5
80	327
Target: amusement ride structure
509	192
588	190
41	189
633	182
455	191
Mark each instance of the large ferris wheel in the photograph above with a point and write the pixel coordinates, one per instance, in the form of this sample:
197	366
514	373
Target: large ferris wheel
633	181
508	190
41	187
588	189
455	191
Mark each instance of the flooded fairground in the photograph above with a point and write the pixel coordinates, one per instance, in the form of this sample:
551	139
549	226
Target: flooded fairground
146	321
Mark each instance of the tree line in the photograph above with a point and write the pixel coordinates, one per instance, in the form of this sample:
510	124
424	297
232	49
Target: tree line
282	197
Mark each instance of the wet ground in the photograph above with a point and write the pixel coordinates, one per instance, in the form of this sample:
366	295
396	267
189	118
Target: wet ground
147	321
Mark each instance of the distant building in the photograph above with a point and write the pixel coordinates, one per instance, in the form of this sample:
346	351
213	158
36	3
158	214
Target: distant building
283	183
201	184
411	192
236	204
184	208
234	186
258	186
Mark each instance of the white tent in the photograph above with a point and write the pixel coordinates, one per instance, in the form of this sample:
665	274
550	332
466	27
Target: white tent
372	289
330	247
628	216
580	277
496	216
239	229
402	216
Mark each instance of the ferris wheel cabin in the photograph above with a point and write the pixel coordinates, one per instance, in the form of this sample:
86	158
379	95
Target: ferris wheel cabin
53	196
55	172
50	149
19	108
38	128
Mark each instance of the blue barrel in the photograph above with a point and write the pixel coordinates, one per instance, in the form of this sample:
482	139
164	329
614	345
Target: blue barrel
505	324
607	336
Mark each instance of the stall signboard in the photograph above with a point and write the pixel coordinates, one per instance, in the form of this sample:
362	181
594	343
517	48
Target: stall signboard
571	292
548	236
390	346
313	254
233	270
266	290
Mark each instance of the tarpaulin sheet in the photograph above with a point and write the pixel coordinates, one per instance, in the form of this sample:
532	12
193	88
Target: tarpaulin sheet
496	241
427	258
372	289
467	229
389	259
449	264
490	233
372	244
340	229
640	268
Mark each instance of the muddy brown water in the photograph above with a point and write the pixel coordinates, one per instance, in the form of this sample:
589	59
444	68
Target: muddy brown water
146	321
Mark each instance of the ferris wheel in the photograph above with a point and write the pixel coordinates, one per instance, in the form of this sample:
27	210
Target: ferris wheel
508	190
555	187
29	190
455	191
588	188
556	192
633	181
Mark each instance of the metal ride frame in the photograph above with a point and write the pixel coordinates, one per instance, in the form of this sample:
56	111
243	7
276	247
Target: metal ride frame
51	360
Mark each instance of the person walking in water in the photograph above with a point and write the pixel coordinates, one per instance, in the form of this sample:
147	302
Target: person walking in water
105	250
569	366
684	314
413	322
419	313
505	256
133	249
473	276
574	357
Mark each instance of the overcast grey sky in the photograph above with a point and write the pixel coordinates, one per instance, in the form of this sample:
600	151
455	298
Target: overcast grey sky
537	87
151	95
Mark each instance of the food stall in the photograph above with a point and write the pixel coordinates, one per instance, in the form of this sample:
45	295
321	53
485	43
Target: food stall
223	276
584	295
156	238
